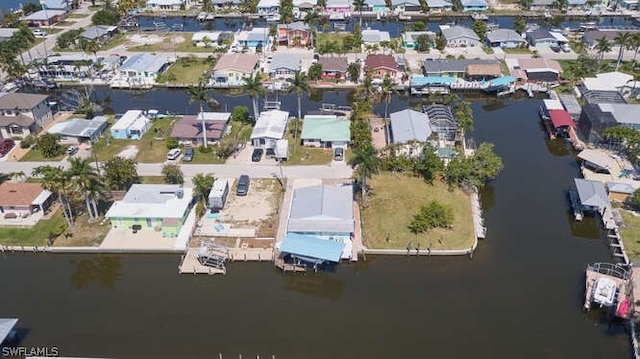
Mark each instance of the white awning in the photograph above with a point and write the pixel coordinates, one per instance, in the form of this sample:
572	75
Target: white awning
42	197
597	158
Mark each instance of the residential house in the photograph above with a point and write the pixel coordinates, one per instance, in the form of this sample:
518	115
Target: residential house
64	5
400	6
19	200
303	7
542	5
437	6
284	66
442	124
45	17
460	36
325	131
596	118
381	65
338	9
99	33
374	37
231	69
619	191
132	125
320	213
141	69
7	33
222	5
608	87
158	207
483	72
67	67
410	38
537	70
207	38
474	5
334	67
545	38
590	38
453	67
631	5
168	5
23	114
592	194
269	128
375	6
258	37
505	38
189	130
76	131
411	129
268	7
297	34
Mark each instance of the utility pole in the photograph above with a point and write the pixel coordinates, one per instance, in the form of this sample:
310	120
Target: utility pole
43	4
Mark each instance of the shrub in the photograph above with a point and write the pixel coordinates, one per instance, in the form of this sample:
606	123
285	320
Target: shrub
27	141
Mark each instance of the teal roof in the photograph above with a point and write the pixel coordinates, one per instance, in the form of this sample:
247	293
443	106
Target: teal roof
428	80
312	247
446	152
504	80
326	128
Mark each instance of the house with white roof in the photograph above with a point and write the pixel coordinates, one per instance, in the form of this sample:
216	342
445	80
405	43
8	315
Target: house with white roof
156	207
460	36
269	128
375	6
76	131
374	36
168	5
254	38
608	86
437	6
474	5
206	38
411	130
505	38
400	6
45	17
320	217
141	69
268	7
132	125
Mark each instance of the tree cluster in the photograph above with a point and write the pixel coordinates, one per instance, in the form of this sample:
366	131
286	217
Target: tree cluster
12	48
431	215
476	170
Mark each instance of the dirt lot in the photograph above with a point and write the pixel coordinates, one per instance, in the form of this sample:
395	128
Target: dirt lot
258	208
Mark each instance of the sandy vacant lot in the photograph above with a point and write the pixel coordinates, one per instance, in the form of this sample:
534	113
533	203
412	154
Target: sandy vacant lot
257	206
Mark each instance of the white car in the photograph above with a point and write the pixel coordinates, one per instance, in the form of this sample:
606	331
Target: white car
39	33
174	153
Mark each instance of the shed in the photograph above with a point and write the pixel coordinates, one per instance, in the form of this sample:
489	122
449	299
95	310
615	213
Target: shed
218	194
619	191
592	194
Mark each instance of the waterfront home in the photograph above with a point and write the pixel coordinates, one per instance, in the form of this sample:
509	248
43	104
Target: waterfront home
474	5
320	213
325	131
63	5
374	37
45	17
76	131
375	6
284	66
207	38
608	87
505	38
381	65
158	207
483	72
268	7
23	114
631	5
19	200
231	69
443	125
269	128
591	37
132	126
338	8
542	5
410	38
411	129
592	195
7	33
258	37
437	6
67	67
597	117
141	69
99	33
619	191
297	34
189	130
168	5
303	7
460	36
545	38
537	70
453	67
226	5
333	67
400	6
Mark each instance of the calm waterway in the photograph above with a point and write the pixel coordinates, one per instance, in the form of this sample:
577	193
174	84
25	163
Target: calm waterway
519	297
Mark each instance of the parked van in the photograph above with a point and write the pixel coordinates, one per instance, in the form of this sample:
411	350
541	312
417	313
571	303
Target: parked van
218	195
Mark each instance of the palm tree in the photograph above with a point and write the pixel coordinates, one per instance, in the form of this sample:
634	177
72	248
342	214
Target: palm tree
358	5
388	88
56	180
85	179
312	19
299	84
366	161
603	46
200	93
367	90
622	39
253	87
635	44
202	184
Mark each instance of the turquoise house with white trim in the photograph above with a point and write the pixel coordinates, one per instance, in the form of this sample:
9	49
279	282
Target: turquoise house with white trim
325	131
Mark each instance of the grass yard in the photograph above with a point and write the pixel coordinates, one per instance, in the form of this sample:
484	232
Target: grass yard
77	16
183	43
152	180
631	234
300	155
84	234
34	155
326	37
396	198
186	70
34	236
517	50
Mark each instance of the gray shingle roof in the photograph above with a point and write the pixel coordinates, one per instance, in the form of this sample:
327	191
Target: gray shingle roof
322	208
96	32
20	101
455	32
409	125
144	62
540	35
504	35
285	61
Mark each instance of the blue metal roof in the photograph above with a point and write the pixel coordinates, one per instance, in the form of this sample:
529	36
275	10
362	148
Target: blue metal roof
504	80
309	246
426	80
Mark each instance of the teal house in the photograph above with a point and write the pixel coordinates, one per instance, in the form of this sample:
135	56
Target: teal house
375	6
157	207
326	131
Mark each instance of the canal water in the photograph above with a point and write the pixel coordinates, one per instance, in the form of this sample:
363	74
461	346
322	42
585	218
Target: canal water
519	297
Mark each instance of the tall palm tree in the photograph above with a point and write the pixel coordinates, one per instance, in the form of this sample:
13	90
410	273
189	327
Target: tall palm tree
602	47
623	39
254	88
366	162
635	45
358	5
299	84
312	19
56	180
388	88
200	93
367	90
85	180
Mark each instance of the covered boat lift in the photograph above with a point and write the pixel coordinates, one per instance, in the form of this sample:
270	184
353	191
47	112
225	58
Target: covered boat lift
310	249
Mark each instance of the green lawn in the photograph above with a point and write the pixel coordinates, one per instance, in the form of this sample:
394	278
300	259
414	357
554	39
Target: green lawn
34	236
325	37
396	198
300	155
517	50
631	234
152	180
181	45
95	8
34	155
186	70
77	16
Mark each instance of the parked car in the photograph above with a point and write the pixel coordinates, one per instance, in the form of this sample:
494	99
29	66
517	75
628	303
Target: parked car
5	146
39	33
72	150
243	186
565	48
270	153
256	156
174	153
188	155
338	154
555	48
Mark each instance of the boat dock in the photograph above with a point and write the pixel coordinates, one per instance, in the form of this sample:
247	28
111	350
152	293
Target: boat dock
609	285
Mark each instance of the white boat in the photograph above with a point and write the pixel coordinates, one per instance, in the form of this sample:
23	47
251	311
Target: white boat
604	292
202	16
547	15
210	17
479	16
273	18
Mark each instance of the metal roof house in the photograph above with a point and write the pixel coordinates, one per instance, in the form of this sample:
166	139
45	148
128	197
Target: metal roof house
79	131
140	69
474	5
409	125
23	114
593	196
189	129
326	131
374	36
156	207
325	213
284	66
596	118
132	125
269	128
505	38
254	38
608	87
99	33
460	36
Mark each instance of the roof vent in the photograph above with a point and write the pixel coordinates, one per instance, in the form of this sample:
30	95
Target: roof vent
179	193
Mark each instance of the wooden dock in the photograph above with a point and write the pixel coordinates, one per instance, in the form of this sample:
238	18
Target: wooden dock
286	267
191	265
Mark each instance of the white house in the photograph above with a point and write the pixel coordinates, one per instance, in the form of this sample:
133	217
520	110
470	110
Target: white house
171	5
76	131
374	37
132	125
140	70
459	36
268	7
269	128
